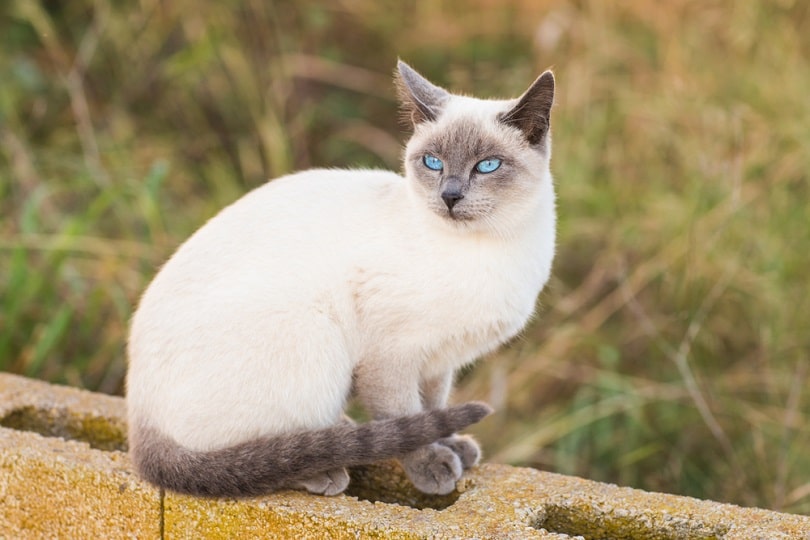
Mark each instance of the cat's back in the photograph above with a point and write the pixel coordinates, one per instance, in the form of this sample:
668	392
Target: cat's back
312	198
296	228
311	207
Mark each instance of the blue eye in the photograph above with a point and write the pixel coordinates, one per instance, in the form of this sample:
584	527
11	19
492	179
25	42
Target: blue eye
488	165
432	162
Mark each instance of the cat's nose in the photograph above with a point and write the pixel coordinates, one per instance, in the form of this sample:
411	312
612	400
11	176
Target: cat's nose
450	196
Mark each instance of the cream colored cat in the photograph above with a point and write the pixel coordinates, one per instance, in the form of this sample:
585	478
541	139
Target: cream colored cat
331	283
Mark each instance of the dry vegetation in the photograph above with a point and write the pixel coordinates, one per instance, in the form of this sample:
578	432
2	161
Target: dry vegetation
672	348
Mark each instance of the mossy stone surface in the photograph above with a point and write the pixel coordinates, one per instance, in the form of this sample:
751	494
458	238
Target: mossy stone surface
55	481
63	475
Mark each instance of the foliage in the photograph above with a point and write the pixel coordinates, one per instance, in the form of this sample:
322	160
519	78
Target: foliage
671	348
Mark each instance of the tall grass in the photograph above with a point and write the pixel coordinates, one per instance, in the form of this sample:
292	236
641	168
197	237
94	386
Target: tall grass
671	351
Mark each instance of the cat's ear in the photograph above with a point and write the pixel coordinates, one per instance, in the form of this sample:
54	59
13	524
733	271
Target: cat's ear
532	114
421	100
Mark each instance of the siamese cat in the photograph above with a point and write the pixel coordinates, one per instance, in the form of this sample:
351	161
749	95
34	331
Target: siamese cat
328	284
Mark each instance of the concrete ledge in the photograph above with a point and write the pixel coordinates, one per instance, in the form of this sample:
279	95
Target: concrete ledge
53	482
63	473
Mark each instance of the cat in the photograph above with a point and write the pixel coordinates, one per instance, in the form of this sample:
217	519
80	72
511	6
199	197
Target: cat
327	284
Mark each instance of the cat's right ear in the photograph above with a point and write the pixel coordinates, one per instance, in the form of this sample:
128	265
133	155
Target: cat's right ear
421	100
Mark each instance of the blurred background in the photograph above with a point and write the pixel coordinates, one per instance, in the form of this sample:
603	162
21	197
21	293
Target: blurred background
671	351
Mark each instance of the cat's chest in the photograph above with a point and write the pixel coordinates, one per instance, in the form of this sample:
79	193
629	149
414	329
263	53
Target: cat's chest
434	305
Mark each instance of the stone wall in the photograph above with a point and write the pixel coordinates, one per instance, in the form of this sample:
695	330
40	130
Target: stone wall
64	473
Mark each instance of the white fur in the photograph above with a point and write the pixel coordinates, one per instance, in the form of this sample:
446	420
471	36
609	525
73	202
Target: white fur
259	321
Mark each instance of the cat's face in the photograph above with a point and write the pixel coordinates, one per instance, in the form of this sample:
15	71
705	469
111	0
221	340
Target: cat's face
475	163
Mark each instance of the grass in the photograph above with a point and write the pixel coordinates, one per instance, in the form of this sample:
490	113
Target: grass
672	349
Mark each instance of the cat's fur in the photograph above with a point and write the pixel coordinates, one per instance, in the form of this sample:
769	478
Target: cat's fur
329	283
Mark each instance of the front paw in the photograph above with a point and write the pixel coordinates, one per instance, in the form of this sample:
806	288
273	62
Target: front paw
433	469
465	447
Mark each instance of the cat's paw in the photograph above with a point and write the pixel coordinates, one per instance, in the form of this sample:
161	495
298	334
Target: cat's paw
327	483
433	469
465	447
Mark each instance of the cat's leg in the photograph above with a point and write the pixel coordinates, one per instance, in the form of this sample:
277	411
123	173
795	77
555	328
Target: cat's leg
435	392
388	392
311	380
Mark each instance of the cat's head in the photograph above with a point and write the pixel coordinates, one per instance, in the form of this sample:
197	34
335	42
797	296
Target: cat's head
477	164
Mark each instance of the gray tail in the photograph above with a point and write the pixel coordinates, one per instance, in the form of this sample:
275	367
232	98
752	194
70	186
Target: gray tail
268	464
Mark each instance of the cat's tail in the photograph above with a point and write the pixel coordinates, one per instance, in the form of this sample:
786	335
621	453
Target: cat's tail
267	464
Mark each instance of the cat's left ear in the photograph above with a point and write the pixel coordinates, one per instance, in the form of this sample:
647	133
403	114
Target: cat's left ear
421	100
532	114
